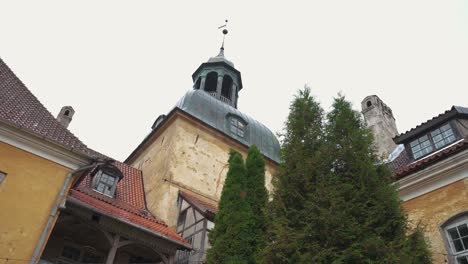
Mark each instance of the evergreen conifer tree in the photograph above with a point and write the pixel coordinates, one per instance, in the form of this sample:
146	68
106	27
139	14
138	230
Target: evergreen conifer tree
257	195
296	176
231	238
338	206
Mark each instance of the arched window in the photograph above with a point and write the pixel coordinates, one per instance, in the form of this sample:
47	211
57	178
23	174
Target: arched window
105	180
455	233
197	84
227	86
67	112
211	82
369	103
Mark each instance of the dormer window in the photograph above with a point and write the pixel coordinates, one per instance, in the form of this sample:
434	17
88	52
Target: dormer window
105	180
434	140
237	127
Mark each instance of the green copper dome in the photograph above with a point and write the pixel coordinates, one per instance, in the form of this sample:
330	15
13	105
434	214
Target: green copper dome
230	121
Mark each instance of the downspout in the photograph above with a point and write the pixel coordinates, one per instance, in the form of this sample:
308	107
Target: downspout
53	214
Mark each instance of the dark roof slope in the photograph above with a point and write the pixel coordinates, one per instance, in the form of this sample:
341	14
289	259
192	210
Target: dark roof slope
215	113
20	108
437	120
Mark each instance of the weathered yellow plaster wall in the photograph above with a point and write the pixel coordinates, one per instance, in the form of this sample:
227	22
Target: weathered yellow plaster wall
433	208
186	157
27	196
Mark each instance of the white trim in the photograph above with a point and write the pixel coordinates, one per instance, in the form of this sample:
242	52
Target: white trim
41	148
438	175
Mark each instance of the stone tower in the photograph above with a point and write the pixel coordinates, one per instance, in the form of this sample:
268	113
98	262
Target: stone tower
380	120
65	116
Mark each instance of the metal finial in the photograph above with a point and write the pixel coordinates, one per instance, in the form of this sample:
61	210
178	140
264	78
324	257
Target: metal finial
225	31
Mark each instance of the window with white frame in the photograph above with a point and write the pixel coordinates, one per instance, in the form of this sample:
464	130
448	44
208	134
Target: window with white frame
456	235
434	140
105	180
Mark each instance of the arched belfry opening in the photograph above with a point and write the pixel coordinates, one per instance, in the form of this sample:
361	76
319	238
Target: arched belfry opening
369	103
211	82
226	89
219	78
197	84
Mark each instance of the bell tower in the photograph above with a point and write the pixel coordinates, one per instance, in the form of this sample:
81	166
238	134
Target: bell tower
219	78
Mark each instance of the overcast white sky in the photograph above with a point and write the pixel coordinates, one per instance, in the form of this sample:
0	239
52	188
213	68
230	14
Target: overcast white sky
122	63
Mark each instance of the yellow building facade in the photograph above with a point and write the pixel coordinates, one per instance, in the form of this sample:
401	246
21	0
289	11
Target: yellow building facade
37	156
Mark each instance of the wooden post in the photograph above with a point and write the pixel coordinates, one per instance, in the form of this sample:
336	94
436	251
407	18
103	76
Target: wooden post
113	250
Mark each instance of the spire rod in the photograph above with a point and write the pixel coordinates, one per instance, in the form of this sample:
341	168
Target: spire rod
225	31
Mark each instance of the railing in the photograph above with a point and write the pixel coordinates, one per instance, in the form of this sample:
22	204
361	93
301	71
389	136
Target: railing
225	99
212	94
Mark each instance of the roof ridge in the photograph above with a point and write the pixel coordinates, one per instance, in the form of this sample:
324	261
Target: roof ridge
425	122
40	121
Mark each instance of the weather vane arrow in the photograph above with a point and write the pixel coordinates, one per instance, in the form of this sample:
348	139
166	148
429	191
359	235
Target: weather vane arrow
225	31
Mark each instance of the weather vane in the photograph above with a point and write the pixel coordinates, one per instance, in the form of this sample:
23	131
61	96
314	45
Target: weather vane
225	31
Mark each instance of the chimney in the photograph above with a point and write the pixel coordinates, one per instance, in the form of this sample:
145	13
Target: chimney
65	116
379	119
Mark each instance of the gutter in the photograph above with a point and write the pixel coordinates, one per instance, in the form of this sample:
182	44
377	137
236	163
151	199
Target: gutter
58	203
79	203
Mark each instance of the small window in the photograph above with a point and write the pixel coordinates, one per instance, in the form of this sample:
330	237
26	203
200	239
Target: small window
2	176
369	103
106	184
67	112
457	238
421	146
442	136
105	180
237	127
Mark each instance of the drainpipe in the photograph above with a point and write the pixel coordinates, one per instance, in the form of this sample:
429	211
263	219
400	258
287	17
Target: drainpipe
58	202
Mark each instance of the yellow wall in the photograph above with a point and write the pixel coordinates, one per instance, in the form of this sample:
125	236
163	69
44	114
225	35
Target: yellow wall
433	208
27	196
186	156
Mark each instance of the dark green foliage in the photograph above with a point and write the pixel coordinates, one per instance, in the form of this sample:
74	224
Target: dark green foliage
333	204
257	195
231	237
417	249
296	177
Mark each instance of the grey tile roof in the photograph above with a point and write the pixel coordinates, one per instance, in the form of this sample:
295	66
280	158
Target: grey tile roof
455	111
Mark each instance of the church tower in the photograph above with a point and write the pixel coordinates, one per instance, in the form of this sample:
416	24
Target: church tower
219	78
184	158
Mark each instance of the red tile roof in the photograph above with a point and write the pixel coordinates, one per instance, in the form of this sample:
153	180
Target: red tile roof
127	205
20	108
406	169
208	208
